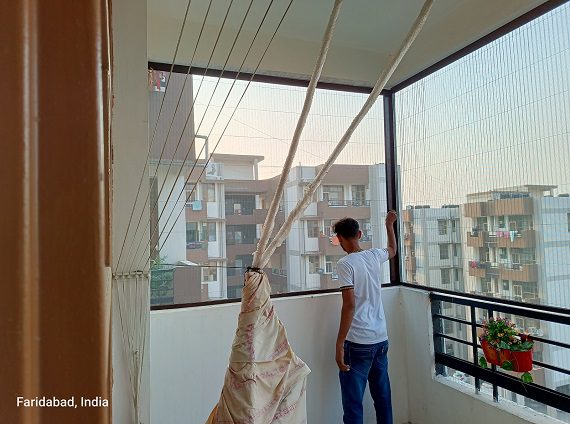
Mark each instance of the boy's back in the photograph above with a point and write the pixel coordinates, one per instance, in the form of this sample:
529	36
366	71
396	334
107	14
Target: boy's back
361	271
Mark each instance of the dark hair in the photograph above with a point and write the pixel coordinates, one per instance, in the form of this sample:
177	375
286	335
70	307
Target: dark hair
346	227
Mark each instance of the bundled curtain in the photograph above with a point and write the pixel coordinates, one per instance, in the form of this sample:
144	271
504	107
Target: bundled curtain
265	381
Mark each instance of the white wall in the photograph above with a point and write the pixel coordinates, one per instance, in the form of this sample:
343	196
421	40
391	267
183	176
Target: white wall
190	350
173	217
234	171
130	147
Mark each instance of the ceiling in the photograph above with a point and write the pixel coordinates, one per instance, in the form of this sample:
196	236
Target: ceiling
367	32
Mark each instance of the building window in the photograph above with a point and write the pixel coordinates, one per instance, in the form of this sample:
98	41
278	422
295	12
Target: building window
568	217
192	233
443	251
328	227
525	290
448	326
330	264
313	264
453	226
442	227
241	234
210	272
503	254
506	285
313	228
211	231
240	204
358	195
455	250
209	192
366	228
456	275
333	193
445	278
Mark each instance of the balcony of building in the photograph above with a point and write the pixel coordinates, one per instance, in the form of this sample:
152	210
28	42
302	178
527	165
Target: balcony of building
502	238
337	209
483	269
477	238
430	384
441	131
519	272
515	239
500	207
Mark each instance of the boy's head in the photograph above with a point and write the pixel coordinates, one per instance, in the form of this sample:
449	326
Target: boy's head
347	231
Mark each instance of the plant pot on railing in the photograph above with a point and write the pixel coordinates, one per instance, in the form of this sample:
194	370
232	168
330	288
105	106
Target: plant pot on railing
521	360
506	346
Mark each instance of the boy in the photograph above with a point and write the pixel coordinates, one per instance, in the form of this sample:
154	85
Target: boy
362	342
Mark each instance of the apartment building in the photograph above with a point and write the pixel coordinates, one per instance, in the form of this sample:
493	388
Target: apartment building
433	256
357	191
433	246
519	243
228	205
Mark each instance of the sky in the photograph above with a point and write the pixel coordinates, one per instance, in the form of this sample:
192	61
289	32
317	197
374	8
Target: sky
495	118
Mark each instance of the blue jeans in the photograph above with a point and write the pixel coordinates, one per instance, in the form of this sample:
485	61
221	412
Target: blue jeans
367	363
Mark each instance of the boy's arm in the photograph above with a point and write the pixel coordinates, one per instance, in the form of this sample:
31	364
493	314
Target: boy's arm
392	245
346	315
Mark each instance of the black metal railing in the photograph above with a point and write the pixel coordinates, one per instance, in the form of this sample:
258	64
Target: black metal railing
495	377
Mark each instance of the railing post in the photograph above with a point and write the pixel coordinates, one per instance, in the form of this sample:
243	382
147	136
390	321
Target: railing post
438	343
493	367
474	340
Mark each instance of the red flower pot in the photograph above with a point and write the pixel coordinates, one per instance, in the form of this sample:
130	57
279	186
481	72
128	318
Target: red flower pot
522	361
491	354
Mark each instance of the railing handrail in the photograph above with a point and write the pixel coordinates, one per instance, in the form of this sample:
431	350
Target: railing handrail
541	312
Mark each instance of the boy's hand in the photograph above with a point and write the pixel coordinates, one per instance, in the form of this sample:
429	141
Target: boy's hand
391	217
340	358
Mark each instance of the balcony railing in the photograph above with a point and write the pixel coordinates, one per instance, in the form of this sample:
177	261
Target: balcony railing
195	245
348	203
537	390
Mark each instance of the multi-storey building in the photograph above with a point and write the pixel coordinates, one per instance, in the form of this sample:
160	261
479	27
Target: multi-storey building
228	205
433	246
433	256
520	249
357	191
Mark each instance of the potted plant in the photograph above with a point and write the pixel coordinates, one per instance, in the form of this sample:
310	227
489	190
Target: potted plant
506	346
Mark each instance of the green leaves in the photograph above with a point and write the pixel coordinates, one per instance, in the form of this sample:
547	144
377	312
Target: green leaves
507	365
482	362
526	378
522	347
504	345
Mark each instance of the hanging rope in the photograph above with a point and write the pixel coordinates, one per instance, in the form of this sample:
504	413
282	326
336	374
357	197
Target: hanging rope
378	87
269	223
227	124
153	134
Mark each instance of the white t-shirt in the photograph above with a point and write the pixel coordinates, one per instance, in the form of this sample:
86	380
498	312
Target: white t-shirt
363	270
